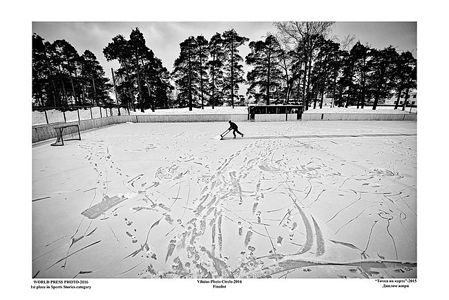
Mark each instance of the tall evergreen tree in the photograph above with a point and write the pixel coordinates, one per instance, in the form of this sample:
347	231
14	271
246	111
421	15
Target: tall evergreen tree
120	50
186	73
336	66
59	74
202	56
139	68
360	54
298	74
215	67
67	59
323	71
346	89
96	85
380	79
41	72
138	51
265	57
233	69
404	76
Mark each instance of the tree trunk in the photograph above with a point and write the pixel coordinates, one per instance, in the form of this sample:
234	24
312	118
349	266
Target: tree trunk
376	100
363	84
397	100
268	77
138	80
83	93
149	94
64	93
406	98
130	92
201	87
379	87
363	95
322	99
298	88
309	70
232	74
115	87
54	93
73	91
304	98
287	96
94	99
213	90
334	88
201	79
190	80
340	98
348	100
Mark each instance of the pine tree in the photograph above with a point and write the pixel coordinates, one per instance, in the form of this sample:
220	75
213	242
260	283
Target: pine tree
360	54
265	57
336	66
380	79
345	84
68	62
138	51
139	68
186	73
202	56
215	67
96	86
233	69
404	71
41	74
298	74
120	50
323	71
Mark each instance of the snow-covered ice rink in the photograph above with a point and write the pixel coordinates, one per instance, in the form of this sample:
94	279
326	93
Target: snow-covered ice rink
290	199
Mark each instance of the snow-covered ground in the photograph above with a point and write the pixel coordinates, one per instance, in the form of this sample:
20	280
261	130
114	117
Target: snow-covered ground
290	199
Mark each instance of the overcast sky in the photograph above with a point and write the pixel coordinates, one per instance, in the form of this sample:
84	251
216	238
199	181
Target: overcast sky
164	37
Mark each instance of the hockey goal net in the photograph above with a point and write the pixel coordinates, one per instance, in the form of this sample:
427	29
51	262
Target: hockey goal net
66	132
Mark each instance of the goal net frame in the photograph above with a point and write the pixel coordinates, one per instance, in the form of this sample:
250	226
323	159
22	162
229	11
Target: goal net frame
71	131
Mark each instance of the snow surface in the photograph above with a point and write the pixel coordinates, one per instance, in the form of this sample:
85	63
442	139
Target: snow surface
290	199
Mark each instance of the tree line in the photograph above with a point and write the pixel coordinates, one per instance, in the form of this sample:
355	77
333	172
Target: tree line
299	64
61	77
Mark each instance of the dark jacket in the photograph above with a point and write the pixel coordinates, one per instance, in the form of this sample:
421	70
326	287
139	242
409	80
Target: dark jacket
233	126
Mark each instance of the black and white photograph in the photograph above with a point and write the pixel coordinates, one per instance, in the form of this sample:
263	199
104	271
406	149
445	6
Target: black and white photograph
224	150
